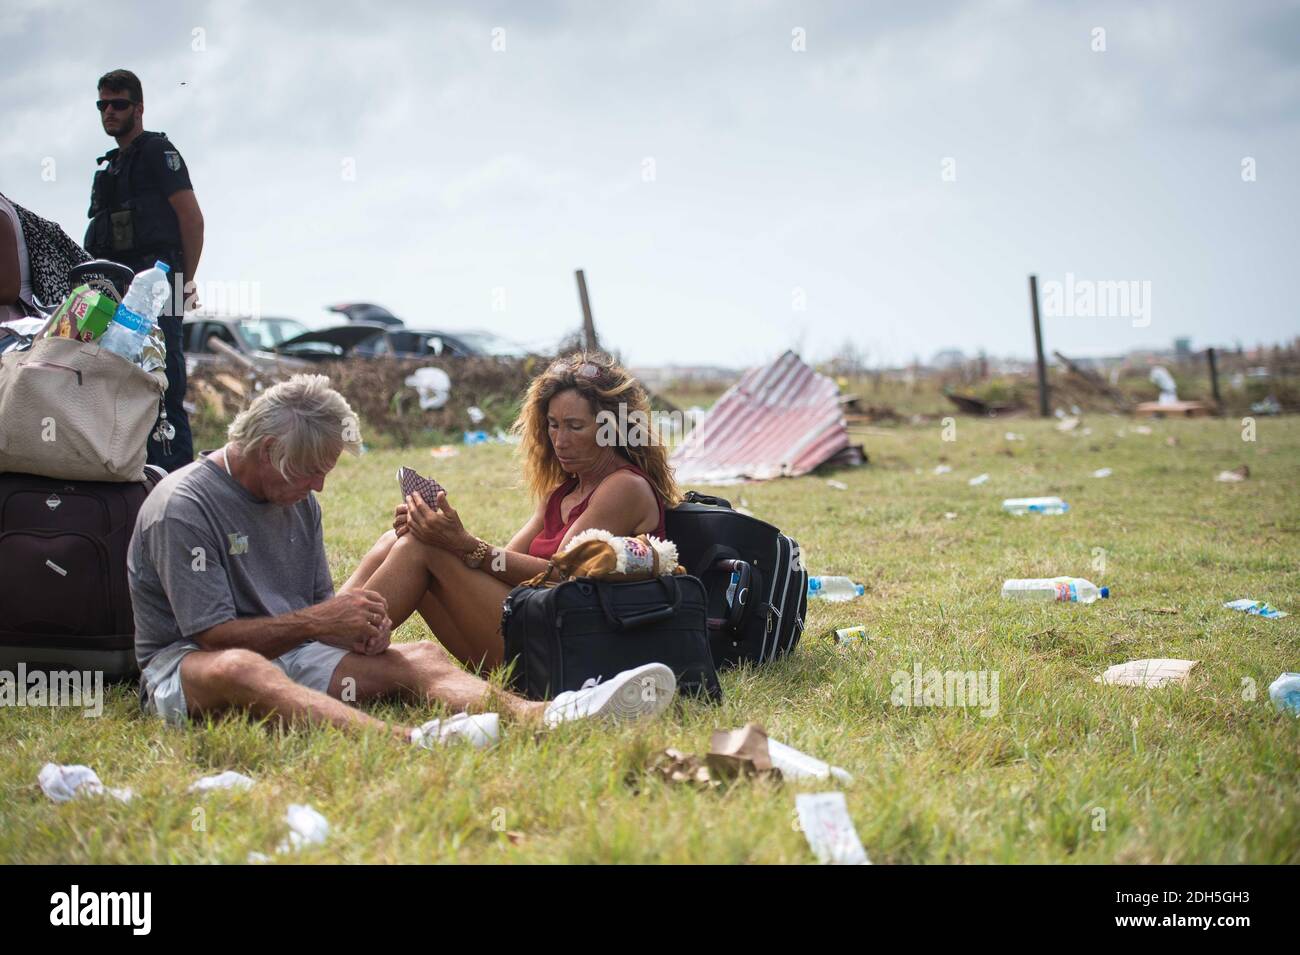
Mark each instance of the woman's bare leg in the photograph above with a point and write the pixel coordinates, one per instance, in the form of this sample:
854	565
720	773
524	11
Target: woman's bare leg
441	624
470	599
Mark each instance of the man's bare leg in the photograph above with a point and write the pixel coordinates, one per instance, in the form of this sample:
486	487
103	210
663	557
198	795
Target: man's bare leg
424	672
219	680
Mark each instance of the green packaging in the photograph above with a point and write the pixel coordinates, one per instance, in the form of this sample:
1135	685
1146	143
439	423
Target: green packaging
84	315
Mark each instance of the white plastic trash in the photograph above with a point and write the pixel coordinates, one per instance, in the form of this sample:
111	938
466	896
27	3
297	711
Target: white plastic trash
227	780
826	824
64	783
433	386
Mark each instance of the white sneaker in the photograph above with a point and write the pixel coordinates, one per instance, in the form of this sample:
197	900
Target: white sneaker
480	729
640	693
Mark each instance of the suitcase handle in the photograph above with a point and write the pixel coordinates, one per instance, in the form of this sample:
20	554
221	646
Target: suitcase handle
695	497
740	603
672	593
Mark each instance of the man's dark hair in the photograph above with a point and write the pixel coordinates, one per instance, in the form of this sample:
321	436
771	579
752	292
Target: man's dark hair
116	80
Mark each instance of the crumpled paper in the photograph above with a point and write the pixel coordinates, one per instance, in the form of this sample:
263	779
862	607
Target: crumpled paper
745	753
227	780
1149	673
307	827
64	783
826	824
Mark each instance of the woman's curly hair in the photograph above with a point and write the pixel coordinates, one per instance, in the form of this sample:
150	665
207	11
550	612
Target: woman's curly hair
606	385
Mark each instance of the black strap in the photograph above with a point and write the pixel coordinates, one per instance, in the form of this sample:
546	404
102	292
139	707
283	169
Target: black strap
672	593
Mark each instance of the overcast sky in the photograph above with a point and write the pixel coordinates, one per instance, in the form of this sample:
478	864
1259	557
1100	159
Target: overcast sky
892	183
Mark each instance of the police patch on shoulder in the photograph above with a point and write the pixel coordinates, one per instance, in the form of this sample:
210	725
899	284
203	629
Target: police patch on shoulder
173	159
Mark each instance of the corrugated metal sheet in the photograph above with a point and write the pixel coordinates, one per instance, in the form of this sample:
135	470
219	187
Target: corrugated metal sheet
778	421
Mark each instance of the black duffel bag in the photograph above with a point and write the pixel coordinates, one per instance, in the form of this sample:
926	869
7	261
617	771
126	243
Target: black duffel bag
763	617
587	629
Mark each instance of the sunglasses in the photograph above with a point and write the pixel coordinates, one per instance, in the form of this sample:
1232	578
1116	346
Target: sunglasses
118	104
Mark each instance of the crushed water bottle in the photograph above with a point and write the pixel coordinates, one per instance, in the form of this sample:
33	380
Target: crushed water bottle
1049	589
1285	693
834	589
1034	505
137	313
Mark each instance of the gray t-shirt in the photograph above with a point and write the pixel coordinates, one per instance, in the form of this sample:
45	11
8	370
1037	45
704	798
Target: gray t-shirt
205	551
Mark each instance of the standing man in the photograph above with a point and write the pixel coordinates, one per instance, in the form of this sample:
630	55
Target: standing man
142	209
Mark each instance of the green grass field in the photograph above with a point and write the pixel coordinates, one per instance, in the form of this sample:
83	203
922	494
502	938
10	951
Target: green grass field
1067	770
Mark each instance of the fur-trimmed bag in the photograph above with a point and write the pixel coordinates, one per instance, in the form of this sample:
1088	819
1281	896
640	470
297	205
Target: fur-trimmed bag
599	554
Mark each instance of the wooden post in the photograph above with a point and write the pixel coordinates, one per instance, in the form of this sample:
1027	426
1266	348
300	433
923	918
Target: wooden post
1214	381
1038	349
588	324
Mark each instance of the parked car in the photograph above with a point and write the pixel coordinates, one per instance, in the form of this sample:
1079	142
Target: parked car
281	340
366	312
271	340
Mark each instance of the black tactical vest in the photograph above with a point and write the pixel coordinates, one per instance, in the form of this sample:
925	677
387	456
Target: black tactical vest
131	221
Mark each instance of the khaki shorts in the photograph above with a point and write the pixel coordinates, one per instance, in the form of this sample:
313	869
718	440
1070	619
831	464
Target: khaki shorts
311	665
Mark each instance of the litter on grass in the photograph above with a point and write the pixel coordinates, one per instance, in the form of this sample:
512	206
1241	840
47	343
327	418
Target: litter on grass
227	780
851	634
1020	506
838	485
432	385
307	827
444	451
745	753
1236	474
1256	608
64	783
1148	673
1285	693
978	480
1102	473
824	819
480	729
942	469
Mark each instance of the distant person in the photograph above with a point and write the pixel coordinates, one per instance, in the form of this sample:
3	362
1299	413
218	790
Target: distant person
582	475
35	258
235	607
143	209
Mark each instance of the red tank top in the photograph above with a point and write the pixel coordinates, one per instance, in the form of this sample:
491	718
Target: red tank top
547	541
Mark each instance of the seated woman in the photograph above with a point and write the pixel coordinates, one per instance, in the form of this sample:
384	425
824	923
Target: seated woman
586	471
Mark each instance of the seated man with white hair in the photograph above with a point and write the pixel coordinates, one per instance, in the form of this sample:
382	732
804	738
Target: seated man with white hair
235	607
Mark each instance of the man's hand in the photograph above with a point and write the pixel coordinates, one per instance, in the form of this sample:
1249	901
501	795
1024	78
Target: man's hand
356	620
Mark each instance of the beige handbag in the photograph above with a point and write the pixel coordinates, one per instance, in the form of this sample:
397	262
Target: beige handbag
72	410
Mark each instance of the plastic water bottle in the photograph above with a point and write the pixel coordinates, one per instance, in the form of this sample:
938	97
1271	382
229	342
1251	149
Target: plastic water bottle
835	589
1285	693
1047	590
1034	505
137	313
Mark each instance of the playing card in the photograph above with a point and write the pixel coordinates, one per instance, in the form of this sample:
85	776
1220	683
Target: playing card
413	482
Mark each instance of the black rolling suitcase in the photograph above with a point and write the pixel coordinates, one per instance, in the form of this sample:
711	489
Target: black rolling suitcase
64	600
764	617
